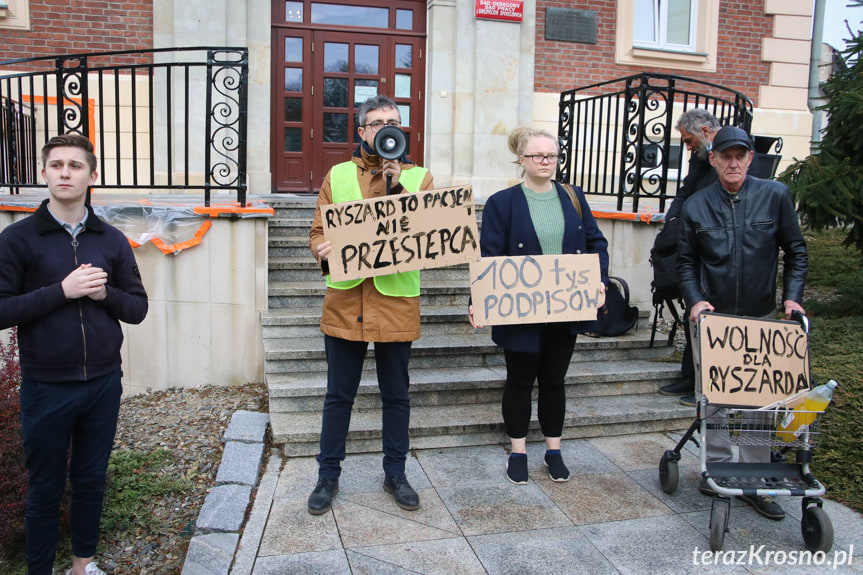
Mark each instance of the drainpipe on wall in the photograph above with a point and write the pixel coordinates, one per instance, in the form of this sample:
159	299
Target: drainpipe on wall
815	70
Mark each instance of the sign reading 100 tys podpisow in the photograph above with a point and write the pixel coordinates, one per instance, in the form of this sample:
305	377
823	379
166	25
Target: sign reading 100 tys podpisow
400	233
535	289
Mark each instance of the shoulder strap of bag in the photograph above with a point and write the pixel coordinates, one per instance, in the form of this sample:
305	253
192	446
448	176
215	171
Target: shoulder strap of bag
570	191
624	285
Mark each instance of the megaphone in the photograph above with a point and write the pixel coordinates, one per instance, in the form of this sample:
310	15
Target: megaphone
390	144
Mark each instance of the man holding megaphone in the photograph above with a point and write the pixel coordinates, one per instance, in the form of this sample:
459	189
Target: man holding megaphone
384	310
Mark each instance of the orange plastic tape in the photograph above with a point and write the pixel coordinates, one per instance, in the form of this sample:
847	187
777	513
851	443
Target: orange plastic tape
174	248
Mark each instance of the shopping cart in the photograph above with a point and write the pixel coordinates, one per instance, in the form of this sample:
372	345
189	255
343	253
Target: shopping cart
756	425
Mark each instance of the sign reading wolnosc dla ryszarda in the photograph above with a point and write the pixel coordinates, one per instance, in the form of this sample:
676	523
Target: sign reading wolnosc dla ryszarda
535	289
400	233
748	362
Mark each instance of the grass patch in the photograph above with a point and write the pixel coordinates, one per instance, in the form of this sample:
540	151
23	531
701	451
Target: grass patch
835	286
135	479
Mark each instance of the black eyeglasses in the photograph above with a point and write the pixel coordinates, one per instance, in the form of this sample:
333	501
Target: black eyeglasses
378	124
539	158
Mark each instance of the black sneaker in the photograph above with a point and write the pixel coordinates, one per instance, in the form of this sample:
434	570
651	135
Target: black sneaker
322	495
766	506
404	494
682	387
557	471
688	401
516	470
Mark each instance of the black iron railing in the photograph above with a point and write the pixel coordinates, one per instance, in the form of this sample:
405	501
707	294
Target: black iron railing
17	137
173	118
617	137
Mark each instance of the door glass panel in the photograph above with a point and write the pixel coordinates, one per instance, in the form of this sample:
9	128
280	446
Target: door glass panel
293	140
404	55
403	86
293	109
366	59
335	57
293	11
293	49
293	79
335	127
350	15
336	92
365	89
405	112
405	19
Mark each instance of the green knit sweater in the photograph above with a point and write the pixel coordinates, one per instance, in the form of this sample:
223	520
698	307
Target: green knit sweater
546	213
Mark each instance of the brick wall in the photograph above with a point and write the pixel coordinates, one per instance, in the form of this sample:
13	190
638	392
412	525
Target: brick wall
562	66
81	26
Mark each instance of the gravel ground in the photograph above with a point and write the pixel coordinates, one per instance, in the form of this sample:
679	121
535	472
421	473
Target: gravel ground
190	423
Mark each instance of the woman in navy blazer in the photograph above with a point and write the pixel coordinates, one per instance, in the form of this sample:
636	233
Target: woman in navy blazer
532	218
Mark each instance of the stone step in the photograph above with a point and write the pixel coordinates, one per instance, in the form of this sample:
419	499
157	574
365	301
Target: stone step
296	322
481	424
311	294
306	354
304	268
293	206
449	386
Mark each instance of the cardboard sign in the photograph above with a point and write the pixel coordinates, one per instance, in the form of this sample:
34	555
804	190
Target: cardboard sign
507	10
400	233
751	362
535	289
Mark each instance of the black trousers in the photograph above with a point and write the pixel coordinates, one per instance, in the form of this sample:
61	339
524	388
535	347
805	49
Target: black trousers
548	368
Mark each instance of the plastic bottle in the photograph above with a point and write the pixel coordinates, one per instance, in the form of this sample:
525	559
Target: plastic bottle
797	421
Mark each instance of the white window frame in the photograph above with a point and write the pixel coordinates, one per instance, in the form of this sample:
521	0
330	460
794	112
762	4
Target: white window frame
660	28
706	39
15	15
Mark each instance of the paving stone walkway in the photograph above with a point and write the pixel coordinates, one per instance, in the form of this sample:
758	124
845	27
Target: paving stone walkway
610	518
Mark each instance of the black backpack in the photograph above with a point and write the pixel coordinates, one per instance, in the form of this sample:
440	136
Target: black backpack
616	317
663	258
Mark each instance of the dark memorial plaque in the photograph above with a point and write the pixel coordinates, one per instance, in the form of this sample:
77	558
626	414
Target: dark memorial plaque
570	25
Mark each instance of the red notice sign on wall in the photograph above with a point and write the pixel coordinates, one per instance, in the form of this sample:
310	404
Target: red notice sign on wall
509	10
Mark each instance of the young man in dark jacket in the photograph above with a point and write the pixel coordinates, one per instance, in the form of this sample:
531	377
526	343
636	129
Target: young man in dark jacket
728	260
67	279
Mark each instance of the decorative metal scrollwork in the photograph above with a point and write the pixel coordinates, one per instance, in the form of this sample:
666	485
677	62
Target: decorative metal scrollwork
72	92
226	130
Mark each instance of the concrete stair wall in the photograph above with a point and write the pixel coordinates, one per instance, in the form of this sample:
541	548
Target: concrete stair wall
457	373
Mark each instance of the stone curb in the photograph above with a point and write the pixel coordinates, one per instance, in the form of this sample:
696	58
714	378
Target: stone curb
217	534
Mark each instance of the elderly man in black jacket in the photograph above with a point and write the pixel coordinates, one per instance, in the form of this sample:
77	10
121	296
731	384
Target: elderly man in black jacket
728	260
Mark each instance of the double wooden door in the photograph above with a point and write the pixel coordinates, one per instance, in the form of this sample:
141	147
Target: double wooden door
321	77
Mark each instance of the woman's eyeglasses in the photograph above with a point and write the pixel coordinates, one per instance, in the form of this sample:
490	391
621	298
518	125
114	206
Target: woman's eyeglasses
540	159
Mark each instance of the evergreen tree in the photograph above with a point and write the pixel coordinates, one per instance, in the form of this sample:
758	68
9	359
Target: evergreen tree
828	185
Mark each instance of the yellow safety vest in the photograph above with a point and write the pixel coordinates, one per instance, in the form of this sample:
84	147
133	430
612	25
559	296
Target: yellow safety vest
345	185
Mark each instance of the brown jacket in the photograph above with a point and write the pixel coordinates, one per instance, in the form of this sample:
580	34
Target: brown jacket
362	313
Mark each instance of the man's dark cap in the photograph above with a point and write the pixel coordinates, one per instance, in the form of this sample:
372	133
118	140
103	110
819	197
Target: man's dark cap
731	136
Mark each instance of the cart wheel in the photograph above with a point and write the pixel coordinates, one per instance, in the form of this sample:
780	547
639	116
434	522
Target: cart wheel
817	530
668	474
718	523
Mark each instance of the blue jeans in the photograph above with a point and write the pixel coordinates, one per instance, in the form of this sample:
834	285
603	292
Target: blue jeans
344	370
53	416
